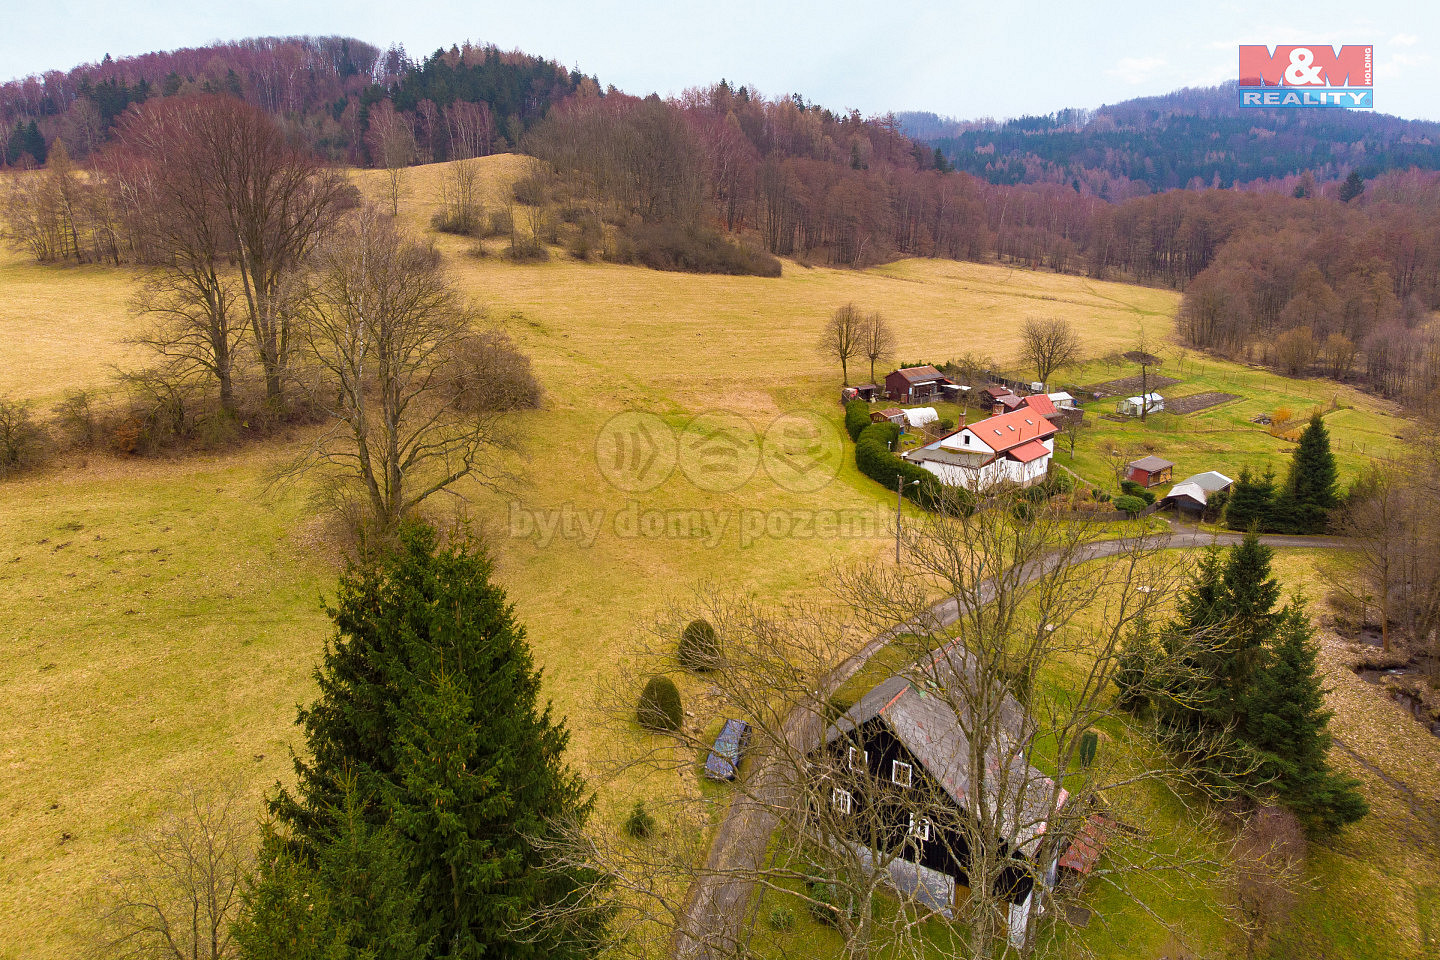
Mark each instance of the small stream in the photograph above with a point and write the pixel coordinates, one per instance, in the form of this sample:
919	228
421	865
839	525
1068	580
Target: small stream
1411	704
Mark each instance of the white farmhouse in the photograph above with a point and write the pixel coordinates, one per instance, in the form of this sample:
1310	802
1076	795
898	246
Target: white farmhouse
1011	448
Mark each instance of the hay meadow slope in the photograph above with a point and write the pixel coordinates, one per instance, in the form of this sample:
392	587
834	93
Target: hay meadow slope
162	617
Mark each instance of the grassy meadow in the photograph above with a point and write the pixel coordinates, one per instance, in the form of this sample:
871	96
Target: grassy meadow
162	617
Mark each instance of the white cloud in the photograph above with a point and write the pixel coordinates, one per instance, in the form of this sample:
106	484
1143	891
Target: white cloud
1404	40
1136	69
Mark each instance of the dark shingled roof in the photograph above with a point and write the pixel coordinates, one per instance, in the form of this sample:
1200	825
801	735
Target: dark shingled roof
926	721
1151	463
914	374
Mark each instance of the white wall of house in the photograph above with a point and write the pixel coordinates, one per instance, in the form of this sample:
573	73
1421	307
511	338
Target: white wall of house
995	472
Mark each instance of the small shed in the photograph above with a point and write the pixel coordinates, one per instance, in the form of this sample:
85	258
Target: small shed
989	396
1148	471
893	414
868	392
1134	406
1193	494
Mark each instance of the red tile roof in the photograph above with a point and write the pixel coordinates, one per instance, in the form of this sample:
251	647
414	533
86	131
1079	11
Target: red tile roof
1084	852
1041	404
1010	430
1026	452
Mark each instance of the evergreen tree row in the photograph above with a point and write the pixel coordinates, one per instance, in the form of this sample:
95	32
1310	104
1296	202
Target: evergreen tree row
1302	504
1233	687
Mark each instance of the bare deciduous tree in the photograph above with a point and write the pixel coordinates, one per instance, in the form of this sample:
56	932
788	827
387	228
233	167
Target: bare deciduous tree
392	146
877	341
1048	344
843	338
1265	867
384	325
179	228
272	198
180	889
1146	359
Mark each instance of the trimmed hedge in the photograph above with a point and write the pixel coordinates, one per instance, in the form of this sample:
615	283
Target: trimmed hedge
857	418
659	707
1131	505
874	459
699	647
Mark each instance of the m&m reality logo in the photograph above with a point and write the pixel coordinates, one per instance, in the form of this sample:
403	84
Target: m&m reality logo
1308	75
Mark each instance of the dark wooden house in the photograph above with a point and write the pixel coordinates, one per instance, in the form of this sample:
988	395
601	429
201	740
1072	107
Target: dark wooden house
914	384
904	749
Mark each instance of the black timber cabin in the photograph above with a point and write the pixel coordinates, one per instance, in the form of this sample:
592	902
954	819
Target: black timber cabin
903	735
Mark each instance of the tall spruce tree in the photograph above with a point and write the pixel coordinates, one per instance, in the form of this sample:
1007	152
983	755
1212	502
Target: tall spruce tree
1311	489
1251	502
430	702
1287	727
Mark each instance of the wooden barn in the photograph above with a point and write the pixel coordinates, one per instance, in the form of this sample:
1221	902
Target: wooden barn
914	384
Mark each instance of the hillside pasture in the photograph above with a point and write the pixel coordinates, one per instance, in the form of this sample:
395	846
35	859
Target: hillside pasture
162	617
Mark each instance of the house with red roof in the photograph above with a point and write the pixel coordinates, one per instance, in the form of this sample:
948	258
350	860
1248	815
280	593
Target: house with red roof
1010	448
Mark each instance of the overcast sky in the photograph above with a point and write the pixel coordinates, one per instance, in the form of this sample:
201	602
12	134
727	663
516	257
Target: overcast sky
965	59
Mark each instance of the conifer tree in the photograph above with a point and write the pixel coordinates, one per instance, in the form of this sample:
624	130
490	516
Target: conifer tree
1311	489
1287	727
430	700
1251	502
346	895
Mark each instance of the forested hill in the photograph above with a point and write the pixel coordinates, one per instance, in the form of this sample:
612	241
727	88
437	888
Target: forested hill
1190	138
464	101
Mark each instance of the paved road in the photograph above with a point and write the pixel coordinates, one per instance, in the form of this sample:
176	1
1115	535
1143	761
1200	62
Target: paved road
714	915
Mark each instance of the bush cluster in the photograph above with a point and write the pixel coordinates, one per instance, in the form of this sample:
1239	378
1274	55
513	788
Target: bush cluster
1133	506
690	249
1132	489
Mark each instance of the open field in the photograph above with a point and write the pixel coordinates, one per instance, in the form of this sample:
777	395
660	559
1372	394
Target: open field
162	617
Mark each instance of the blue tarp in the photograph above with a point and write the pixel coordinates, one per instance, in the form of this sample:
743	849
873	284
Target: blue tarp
724	760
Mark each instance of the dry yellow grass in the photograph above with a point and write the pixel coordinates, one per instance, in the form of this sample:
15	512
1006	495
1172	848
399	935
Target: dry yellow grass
102	706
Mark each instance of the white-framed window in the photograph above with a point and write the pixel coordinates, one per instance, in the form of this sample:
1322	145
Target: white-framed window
900	773
857	759
920	829
840	799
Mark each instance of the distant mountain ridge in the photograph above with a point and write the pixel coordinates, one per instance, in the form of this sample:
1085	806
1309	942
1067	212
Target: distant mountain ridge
1196	136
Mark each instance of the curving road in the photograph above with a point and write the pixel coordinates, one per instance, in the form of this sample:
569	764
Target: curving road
713	917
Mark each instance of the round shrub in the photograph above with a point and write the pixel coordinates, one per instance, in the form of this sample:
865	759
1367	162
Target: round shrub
1131	505
659	707
699	647
1131	488
639	825
1147	495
